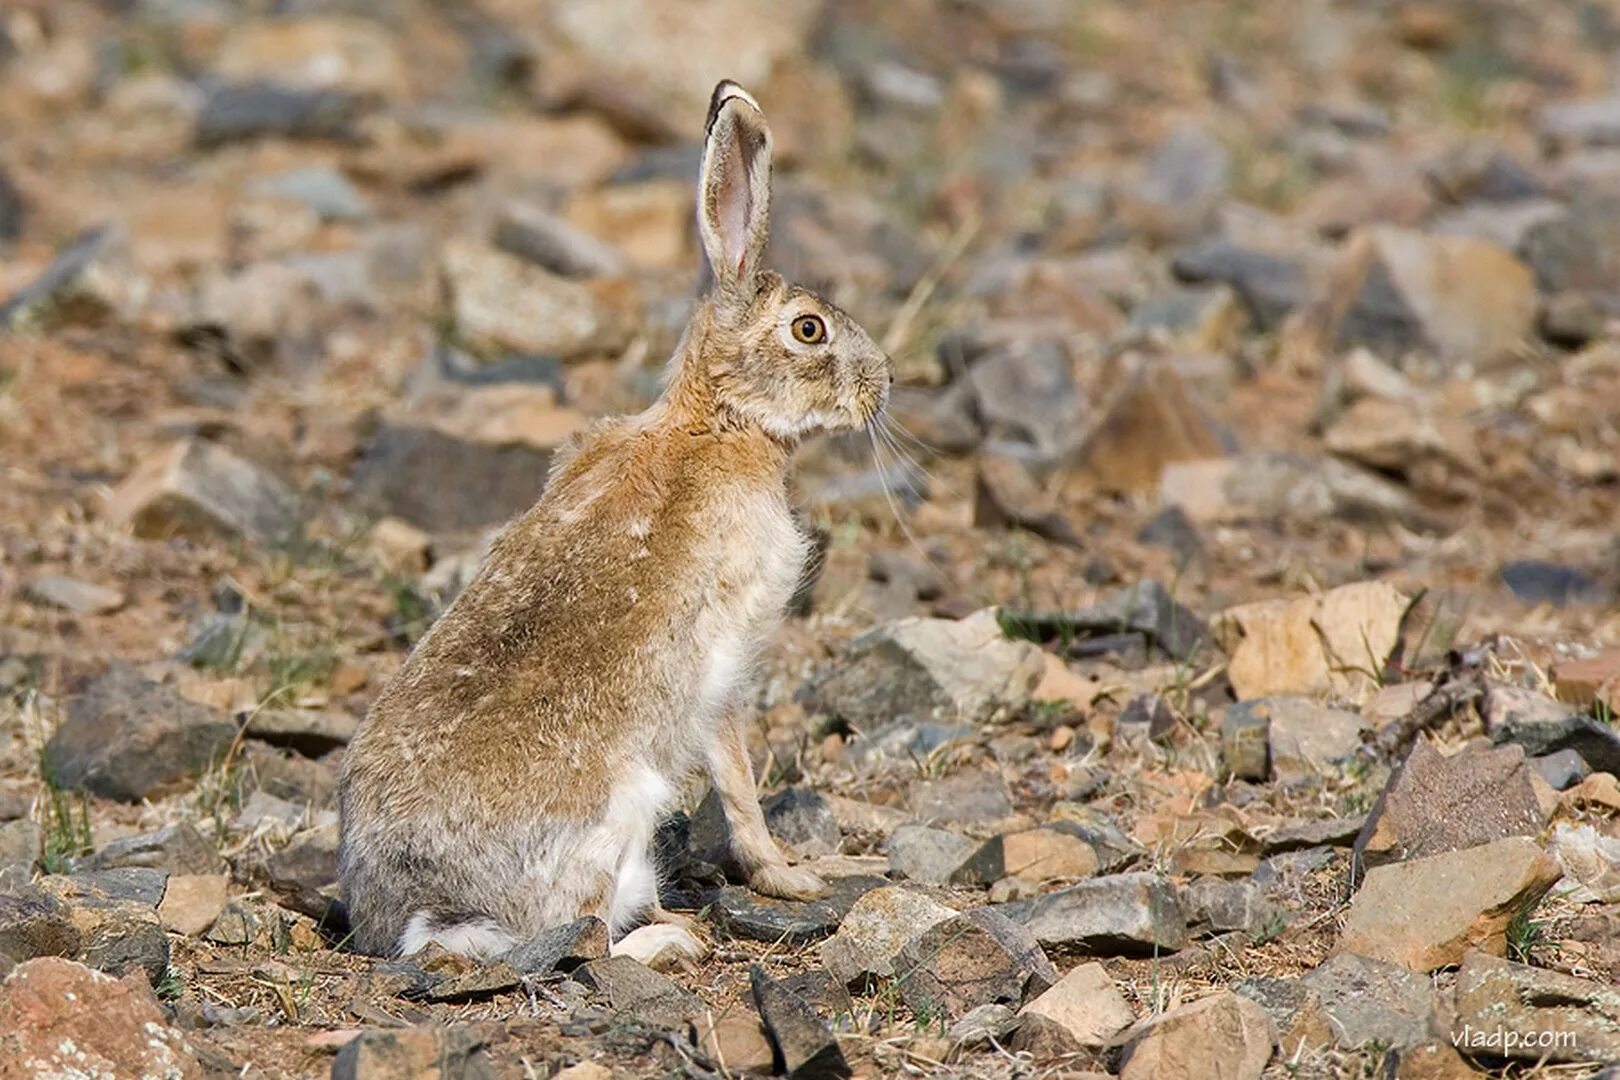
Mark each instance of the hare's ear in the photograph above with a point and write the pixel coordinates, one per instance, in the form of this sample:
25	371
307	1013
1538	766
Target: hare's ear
734	190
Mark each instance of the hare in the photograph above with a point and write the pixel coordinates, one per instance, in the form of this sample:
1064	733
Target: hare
510	776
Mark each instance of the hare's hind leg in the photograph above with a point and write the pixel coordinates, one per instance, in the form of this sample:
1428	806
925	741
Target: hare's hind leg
666	939
733	778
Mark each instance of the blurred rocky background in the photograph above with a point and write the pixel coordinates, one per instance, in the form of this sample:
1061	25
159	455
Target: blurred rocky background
1213	662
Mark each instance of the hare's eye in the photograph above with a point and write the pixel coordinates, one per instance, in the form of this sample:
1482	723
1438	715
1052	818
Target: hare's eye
809	329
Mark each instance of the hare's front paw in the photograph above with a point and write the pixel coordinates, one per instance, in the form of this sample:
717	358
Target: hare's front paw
660	946
787	882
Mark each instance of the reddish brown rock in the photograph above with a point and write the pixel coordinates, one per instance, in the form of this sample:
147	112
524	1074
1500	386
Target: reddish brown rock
1426	913
977	958
1436	803
1595	679
1221	1037
1150	423
1339	641
59	1018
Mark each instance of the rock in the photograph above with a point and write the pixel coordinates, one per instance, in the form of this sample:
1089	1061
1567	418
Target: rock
1213	906
445	484
1288	487
305	872
1026	393
1335	832
1307	737
1270	286
324	190
59	1018
1535	581
1220	1037
1116	849
1592	681
91	282
634	990
978	1026
1599	791
1246	742
1507	1010
401	547
1193	319
1430	1061
923	669
1086	1004
970	797
315	52
586	1070
479	983
138	884
551	243
1124	913
1146	717
1425	913
823	994
191	902
1051	852
1573	250
116	935
71	594
645	62
1174	531
650	222
175	849
557	317
1566	125
1591	864
1462	300
1148	424
926	854
22	843
805	1046
1575	319
239	112
13	210
735	1041
311	732
878	924
748	914
1368	1002
800	819
1005	494
1543	725
1181	186
1145	608
1562	769
976	958
1433	451
128	738
34	923
561	948
198	488
1340	641
262	316
453	1053
1434	803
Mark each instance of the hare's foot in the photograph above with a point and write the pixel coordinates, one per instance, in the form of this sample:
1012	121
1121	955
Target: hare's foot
786	882
663	916
660	946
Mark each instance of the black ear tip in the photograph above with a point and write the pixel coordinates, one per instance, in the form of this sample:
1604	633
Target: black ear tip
724	91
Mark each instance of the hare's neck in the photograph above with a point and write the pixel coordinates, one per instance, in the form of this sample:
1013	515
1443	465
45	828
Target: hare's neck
689	405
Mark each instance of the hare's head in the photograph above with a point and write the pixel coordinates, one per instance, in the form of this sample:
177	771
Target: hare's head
772	353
